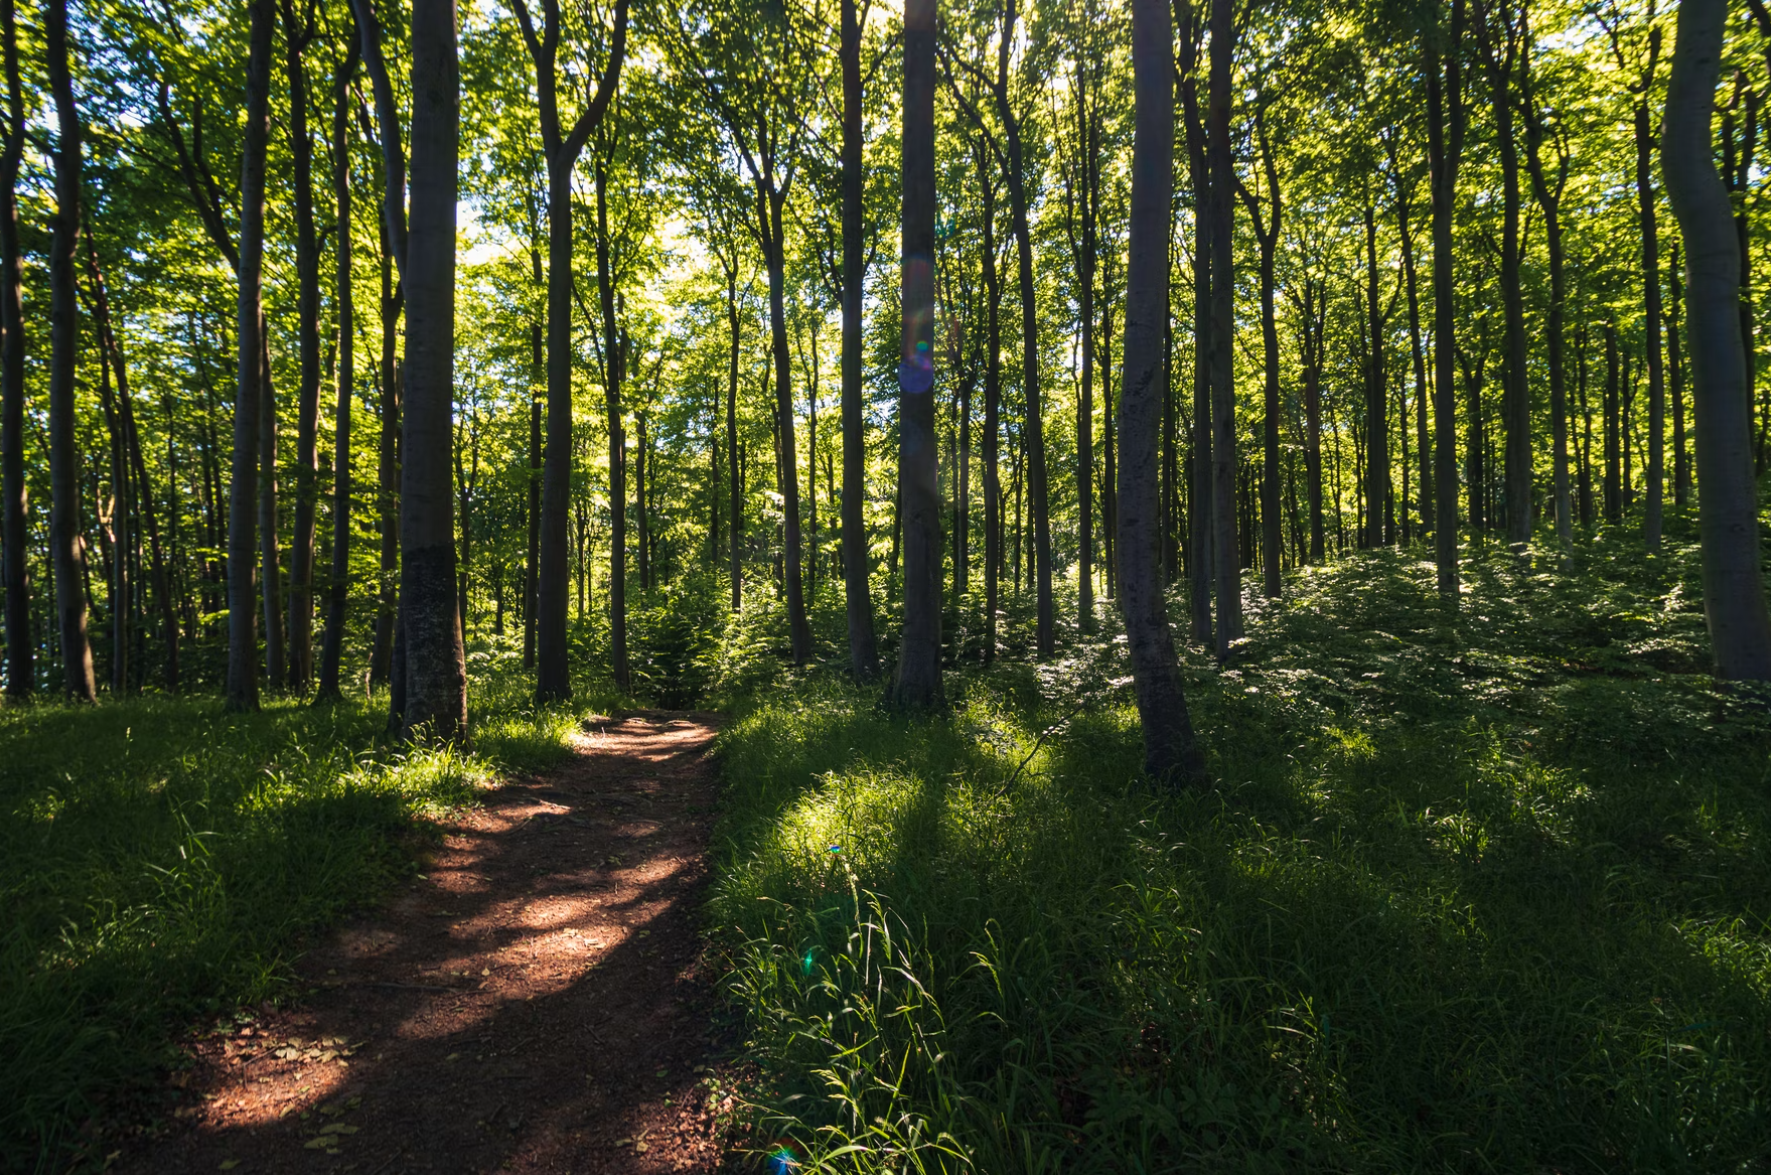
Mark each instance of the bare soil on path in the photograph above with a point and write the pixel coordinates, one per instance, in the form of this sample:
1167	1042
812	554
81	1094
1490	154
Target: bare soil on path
536	1001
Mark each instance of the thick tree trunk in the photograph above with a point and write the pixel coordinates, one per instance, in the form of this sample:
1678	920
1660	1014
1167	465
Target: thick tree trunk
856	562
1171	756
1221	210
307	269
338	588
917	684
436	671
1445	133
1733	581
15	583
243	493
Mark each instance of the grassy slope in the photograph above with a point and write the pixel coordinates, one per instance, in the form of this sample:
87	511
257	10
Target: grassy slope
160	860
1483	895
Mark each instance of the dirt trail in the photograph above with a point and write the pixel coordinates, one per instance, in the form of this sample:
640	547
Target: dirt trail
532	1004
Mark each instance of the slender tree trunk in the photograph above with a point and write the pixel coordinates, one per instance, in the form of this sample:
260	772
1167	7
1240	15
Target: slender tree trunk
537	382
1171	757
338	589
1200	529
387	479
66	543
269	554
1515	384
1315	315
1676	374
1445	132
1651	324
552	674
436	670
1087	144
863	646
1377	415
614	370
15	582
307	268
737	474
1221	222
243	494
992	411
1733	580
1549	199
1613	430
917	684
1417	352
121	524
772	199
1267	237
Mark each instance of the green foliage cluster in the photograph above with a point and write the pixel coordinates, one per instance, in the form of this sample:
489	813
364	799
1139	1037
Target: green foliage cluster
161	861
1484	893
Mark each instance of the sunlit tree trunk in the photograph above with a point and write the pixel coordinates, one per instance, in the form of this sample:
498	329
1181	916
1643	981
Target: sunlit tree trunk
1733	581
614	371
1200	528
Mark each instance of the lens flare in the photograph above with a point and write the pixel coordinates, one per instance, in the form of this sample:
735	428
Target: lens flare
783	1161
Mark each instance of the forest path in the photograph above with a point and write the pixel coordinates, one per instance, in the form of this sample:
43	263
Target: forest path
534	1002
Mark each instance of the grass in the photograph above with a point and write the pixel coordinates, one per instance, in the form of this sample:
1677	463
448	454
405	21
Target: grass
161	861
1483	893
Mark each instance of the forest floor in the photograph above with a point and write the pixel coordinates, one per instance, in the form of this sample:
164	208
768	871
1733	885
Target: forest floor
535	1001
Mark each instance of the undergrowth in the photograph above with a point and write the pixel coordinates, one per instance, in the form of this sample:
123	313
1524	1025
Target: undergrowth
1473	893
162	860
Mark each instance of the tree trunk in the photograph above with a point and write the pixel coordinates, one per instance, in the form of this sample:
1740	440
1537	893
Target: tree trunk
1221	225
1549	199
1445	133
269	556
771	199
1515	382
243	494
1200	529
1676	377
436	671
992	409
1171	756
552	674
1089	194
614	370
1651	324
1417	352
1733	581
856	562
388	477
338	589
307	269
15	583
1377	415
537	381
917	684
737	472
1613	430
1267	237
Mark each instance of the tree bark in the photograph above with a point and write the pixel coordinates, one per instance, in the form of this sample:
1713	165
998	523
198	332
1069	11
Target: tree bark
1651	523
1267	237
991	441
1515	384
307	269
1549	199
1221	223
856	561
436	670
614	371
243	492
1445	134
338	589
1171	756
917	684
552	674
736	572
15	582
1733	581
771	197
1200	528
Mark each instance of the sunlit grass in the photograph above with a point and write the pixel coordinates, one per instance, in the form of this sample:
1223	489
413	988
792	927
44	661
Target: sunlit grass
161	860
1474	893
